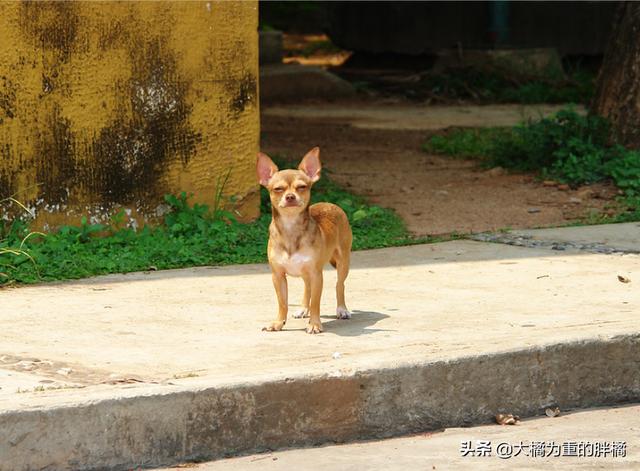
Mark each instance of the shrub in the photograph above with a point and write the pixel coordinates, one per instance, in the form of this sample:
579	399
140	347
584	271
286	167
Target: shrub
567	146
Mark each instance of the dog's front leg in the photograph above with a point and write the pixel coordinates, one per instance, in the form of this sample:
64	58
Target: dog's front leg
315	285
280	284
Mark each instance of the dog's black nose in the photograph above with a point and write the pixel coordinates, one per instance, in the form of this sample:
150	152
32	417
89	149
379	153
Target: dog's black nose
290	197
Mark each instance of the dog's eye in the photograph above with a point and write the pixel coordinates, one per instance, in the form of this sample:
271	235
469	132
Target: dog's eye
278	189
301	187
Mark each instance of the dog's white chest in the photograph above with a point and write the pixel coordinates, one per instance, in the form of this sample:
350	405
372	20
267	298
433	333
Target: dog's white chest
293	264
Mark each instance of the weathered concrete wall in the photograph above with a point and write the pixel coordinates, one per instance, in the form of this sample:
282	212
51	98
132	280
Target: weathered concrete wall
114	104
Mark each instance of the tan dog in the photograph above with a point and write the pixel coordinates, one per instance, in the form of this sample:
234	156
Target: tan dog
303	238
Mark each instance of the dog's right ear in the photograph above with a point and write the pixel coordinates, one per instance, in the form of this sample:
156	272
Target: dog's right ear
265	168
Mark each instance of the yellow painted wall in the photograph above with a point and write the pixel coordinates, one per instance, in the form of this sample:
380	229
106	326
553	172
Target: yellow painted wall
114	104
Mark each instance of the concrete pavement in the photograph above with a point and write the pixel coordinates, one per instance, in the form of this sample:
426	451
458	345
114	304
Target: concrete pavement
603	439
153	368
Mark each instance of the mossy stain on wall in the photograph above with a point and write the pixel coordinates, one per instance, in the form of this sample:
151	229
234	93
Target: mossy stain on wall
51	25
131	154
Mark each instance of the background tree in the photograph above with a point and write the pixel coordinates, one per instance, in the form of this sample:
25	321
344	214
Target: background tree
617	95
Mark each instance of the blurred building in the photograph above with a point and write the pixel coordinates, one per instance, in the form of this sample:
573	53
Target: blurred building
573	28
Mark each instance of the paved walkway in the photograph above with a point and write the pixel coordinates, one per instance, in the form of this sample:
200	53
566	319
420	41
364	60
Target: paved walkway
442	335
617	428
433	302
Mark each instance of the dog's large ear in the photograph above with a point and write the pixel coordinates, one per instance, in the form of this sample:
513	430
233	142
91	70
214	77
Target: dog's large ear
265	168
311	164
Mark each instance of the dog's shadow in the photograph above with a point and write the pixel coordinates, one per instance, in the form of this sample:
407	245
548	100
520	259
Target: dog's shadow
357	325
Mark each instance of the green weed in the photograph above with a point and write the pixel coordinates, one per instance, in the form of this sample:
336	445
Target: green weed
468	143
189	235
14	237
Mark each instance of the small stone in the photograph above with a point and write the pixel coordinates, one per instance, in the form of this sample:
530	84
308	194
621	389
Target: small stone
586	193
564	187
507	419
64	371
552	412
495	172
336	355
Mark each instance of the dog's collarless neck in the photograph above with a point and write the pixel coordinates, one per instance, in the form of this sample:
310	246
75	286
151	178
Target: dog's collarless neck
290	224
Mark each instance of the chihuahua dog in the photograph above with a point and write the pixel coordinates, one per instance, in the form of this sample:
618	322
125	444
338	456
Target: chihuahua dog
303	238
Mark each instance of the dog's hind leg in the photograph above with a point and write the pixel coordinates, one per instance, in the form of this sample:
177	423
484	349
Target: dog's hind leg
342	265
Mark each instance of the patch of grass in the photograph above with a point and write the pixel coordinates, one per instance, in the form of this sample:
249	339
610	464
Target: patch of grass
492	86
190	235
566	147
466	144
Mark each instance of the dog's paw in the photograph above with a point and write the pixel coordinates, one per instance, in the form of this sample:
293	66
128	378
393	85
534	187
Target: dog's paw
314	328
274	326
342	313
303	312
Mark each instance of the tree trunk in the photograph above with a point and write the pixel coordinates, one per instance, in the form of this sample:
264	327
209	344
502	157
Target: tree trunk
617	95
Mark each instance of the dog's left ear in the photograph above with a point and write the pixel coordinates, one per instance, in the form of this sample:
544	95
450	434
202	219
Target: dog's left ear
311	164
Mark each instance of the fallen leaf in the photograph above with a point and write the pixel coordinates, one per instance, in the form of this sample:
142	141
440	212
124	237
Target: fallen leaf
552	411
623	279
507	419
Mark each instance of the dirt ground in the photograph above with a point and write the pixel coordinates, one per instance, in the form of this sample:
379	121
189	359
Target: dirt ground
433	194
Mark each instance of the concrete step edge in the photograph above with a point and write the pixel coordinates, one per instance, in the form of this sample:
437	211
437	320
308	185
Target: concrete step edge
208	423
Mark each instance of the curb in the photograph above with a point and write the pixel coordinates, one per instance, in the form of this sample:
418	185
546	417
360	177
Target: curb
208	423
